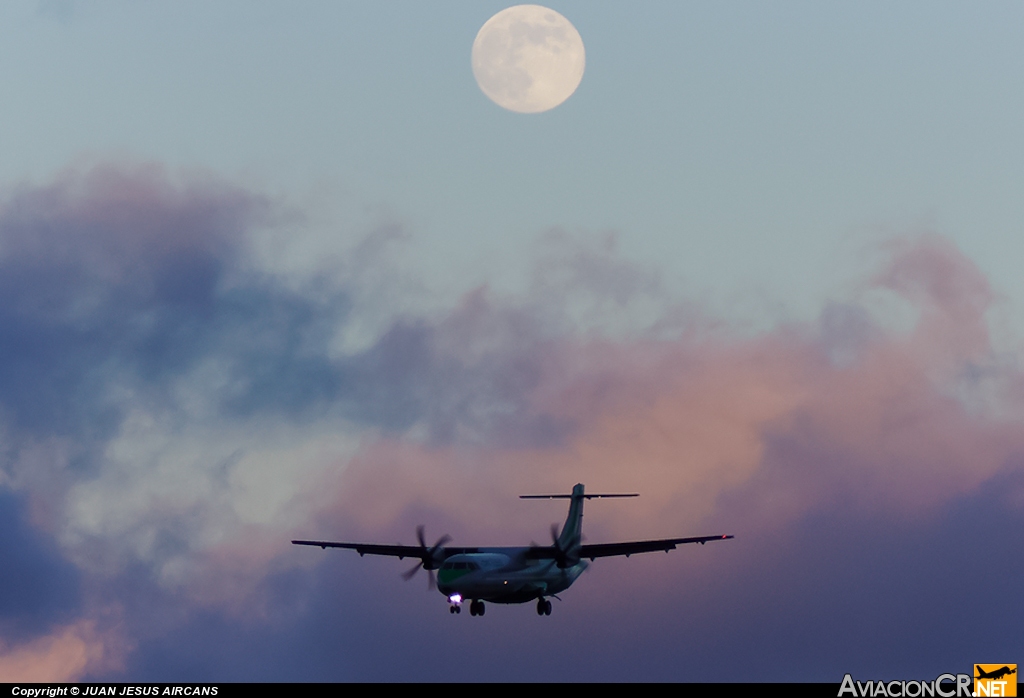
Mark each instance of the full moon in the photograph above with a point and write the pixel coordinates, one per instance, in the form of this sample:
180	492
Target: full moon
528	59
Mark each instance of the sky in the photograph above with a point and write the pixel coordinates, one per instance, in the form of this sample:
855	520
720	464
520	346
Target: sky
280	270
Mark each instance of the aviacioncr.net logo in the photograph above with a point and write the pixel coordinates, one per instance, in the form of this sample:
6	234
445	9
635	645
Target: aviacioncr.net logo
944	686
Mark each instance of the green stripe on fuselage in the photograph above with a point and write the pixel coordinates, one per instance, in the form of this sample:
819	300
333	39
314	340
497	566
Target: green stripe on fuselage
447	576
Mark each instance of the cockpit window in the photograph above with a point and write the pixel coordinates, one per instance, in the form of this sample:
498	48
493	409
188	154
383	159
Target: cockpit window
460	566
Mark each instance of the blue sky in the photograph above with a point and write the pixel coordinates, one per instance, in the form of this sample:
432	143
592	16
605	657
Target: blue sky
277	270
747	144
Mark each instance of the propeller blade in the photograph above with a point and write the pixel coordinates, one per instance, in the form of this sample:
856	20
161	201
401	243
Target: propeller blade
412	573
441	542
562	556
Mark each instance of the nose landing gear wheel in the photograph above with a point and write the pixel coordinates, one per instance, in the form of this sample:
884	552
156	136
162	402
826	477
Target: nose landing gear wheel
454	609
543	607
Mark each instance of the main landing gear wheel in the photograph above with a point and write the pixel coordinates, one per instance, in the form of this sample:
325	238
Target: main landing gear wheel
543	607
476	608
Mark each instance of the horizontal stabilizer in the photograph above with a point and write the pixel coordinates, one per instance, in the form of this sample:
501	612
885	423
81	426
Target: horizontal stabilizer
569	496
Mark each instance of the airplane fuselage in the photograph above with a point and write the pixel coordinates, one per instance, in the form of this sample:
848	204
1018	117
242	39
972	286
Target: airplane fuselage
504	575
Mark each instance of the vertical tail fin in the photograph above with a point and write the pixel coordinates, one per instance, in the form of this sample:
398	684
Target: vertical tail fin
572	530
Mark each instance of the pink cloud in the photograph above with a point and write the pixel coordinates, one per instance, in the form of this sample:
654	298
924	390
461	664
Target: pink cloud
689	420
68	653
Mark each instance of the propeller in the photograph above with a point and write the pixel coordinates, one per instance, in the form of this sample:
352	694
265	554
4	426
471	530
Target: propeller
428	561
563	558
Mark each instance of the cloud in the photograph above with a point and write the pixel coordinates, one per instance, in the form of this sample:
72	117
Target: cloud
68	653
174	410
871	414
37	586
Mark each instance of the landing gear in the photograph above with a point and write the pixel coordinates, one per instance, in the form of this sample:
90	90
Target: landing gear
543	607
476	607
455	609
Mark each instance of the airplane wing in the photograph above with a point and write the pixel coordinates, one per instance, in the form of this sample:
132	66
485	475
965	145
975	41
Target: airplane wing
399	551
643	546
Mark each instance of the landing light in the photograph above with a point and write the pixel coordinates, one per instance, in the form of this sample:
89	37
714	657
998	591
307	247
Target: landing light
455	599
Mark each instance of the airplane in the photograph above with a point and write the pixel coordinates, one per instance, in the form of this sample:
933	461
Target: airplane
996	673
513	575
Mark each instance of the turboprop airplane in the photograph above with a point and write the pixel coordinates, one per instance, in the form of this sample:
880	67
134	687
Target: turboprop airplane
513	575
